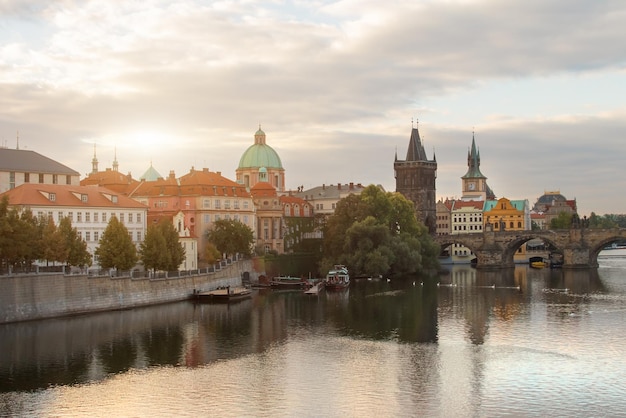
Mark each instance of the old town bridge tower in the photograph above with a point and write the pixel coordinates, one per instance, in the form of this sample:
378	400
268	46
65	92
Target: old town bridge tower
415	180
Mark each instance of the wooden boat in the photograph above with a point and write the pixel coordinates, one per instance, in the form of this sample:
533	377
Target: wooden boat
337	278
224	294
315	289
288	282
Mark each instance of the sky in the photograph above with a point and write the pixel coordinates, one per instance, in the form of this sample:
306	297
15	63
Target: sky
335	85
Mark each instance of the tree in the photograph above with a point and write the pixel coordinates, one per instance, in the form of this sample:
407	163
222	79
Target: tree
231	236
562	221
602	222
116	249
76	248
161	249
377	232
53	243
211	253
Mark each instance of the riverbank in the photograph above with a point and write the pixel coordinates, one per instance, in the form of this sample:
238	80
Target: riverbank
38	296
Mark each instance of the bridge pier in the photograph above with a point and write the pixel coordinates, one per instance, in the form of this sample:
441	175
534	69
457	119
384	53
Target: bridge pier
577	257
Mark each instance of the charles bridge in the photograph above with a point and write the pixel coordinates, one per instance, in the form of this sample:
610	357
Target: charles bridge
579	246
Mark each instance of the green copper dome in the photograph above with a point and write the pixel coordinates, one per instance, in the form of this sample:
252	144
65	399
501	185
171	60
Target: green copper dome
260	154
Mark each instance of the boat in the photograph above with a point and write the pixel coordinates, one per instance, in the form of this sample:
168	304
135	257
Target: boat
315	289
288	282
224	294
337	278
538	264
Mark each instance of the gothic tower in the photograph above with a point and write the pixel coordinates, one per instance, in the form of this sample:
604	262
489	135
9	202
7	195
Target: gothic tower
415	180
474	183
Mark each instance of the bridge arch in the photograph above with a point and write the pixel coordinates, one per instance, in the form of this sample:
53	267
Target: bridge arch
595	249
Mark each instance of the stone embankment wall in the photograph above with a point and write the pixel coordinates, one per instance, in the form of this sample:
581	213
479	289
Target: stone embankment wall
28	297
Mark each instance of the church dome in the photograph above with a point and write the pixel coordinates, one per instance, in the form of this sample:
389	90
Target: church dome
260	154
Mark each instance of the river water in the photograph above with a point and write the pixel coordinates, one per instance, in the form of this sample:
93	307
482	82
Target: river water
467	343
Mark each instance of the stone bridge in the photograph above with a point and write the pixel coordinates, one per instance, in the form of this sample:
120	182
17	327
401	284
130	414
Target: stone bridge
579	246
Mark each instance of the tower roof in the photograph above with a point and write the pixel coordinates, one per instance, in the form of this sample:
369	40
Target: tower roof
151	174
473	162
260	154
416	149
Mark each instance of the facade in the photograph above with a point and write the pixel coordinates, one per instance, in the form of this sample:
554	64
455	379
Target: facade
19	167
88	207
415	179
188	242
202	197
466	218
260	163
509	215
324	198
299	223
444	209
269	218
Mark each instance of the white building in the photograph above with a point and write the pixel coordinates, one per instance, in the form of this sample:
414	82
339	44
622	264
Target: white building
88	207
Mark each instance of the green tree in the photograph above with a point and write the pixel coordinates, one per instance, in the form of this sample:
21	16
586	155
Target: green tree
161	249
602	222
116	249
562	221
231	236
77	254
54	248
375	233
211	253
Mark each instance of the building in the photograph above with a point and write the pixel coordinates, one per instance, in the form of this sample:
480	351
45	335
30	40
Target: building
89	208
299	223
260	163
19	167
551	204
415	179
201	196
324	198
509	215
474	184
269	218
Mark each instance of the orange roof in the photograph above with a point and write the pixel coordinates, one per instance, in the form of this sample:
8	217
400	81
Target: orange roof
208	183
263	189
293	200
112	180
68	196
159	187
477	204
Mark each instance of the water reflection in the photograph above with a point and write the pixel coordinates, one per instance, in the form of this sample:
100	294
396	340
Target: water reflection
424	339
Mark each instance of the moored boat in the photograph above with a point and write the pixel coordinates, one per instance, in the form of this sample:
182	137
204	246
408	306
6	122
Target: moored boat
224	294
538	264
337	278
288	282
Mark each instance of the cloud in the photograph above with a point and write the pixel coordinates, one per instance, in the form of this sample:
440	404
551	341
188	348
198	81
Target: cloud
334	84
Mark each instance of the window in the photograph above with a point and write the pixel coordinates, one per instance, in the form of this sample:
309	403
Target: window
70	215
287	210
236	204
55	179
218	204
88	217
245	204
79	216
53	197
87	236
95	216
68	179
227	204
40	177
83	197
26	177
207	218
139	218
12	180
139	236
245	219
206	203
104	216
95	236
59	216
121	217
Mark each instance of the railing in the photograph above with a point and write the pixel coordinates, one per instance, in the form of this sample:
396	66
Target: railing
134	273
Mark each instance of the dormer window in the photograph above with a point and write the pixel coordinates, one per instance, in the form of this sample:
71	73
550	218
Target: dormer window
52	197
114	199
83	198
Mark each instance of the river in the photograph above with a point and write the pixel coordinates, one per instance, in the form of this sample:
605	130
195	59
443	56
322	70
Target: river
467	343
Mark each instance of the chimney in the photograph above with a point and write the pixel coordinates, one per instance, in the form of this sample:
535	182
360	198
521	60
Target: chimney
351	185
206	170
219	173
323	186
172	175
338	186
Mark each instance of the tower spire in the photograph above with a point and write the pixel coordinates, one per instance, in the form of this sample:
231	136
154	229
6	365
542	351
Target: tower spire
94	161
115	164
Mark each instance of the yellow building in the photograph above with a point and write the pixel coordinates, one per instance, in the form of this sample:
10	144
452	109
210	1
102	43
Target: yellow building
508	215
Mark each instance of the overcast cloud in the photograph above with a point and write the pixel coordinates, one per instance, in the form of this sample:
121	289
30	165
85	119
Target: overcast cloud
334	84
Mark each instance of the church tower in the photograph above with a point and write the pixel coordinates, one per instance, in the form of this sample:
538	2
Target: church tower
415	180
474	183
